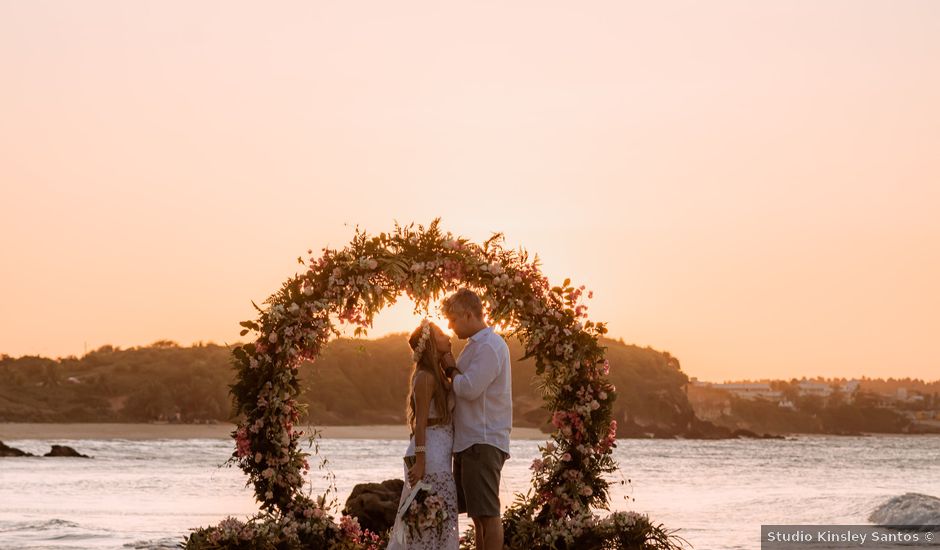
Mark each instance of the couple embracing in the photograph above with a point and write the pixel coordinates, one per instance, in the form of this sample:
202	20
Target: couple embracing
460	414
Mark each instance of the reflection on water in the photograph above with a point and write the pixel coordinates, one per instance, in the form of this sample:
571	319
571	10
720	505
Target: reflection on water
148	494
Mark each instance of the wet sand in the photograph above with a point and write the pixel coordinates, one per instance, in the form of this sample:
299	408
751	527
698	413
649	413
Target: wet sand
16	430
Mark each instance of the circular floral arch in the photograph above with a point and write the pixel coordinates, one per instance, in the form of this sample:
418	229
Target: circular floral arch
350	286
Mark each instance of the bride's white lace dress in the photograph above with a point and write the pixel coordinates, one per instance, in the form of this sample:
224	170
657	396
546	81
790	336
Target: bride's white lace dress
439	473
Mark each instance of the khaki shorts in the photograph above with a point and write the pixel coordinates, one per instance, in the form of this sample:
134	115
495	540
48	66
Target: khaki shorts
477	470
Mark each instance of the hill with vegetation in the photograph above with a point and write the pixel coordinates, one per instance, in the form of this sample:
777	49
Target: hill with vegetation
353	381
358	381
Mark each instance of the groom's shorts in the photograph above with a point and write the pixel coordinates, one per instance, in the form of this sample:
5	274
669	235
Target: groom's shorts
476	471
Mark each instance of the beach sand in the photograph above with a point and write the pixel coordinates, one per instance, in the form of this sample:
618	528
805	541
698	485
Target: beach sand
16	430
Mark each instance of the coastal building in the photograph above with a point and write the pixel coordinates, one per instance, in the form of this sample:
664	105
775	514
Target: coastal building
750	391
808	387
787	404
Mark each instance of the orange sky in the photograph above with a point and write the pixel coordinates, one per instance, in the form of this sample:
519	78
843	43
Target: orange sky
753	186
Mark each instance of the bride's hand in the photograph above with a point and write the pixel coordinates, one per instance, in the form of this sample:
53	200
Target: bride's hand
416	472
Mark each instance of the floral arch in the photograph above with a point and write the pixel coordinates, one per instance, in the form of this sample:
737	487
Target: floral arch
350	286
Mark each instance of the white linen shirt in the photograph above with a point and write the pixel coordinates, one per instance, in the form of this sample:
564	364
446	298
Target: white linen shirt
484	393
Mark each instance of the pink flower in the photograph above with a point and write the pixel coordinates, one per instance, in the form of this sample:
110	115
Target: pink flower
350	526
566	457
242	444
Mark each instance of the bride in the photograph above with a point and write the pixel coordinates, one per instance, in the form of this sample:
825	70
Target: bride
428	457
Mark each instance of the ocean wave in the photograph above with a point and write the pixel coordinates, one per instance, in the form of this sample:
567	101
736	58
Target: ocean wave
908	509
42	525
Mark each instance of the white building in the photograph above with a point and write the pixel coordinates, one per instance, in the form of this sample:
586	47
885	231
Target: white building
757	390
807	387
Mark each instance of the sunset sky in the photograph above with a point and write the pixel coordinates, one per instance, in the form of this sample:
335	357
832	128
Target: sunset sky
752	186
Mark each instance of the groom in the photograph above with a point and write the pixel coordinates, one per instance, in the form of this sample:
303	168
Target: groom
483	416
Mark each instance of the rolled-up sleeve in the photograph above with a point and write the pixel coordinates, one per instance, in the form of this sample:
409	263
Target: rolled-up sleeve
482	370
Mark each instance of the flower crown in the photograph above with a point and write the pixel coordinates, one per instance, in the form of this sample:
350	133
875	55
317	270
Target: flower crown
423	339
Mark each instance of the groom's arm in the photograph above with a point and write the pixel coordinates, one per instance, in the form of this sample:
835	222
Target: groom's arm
478	375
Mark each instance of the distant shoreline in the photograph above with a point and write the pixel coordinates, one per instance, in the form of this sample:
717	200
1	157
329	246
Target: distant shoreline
31	430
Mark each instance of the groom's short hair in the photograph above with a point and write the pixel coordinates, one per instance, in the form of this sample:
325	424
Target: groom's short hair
464	300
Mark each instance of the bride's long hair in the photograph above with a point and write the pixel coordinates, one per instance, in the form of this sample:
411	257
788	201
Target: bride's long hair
429	361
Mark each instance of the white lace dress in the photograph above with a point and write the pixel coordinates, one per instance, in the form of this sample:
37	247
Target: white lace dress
439	473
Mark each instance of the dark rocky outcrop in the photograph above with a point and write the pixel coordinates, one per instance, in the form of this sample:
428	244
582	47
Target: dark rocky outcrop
375	504
6	450
62	450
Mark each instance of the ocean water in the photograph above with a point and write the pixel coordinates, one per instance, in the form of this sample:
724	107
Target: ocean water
149	494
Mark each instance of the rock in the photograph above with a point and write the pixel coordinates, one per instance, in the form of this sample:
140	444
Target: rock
11	451
908	509
703	429
62	450
375	504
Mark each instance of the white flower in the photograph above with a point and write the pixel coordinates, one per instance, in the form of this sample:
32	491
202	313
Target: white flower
294	308
422	340
273	338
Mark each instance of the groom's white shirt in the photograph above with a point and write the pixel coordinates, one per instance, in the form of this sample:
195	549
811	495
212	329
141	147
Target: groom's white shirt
484	393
